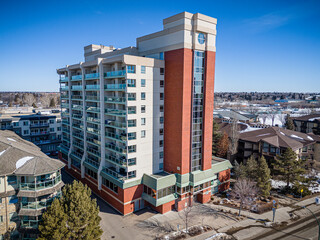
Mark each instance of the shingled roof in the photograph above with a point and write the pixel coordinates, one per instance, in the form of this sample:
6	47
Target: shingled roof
20	157
310	117
279	137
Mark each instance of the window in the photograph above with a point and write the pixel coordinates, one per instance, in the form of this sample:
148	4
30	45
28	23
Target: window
161	131
25	132
131	69
161	71
161	108
143	133
161	143
131	96
132	123
0	200
59	137
161	83
143	69
161	96
1	219
201	38
110	185
51	129
143	82
58	128
132	110
132	161
161	120
143	96
161	155
25	123
51	121
131	82
143	121
91	173
15	124
143	108
160	166
13	216
132	148
132	136
12	180
161	56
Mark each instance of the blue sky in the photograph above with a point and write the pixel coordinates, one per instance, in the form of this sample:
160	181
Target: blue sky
261	45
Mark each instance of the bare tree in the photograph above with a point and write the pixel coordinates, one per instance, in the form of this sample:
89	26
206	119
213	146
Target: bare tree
156	225
186	214
45	100
244	191
29	99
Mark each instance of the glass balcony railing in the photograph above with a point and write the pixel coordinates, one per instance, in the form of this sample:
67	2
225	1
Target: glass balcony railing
115	99
79	145
94	151
64	96
132	111
40	185
76	87
93	98
118	149
115	124
77	116
131	98
93	130
115	87
76	77
77	155
122	138
29	224
93	109
78	135
92	76
92	162
66	88
115	111
76	97
64	79
117	160
44	203
39	133
65	105
93	87
115	74
93	120
77	107
39	125
94	141
113	173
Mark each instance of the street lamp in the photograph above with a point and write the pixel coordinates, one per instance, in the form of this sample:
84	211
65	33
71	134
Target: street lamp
317	202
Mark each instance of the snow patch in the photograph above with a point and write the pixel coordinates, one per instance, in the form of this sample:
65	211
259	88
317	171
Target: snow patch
312	119
282	133
22	161
295	136
3	152
310	138
10	139
265	134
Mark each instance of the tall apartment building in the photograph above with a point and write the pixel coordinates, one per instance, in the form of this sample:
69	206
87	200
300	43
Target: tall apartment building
137	121
44	130
29	182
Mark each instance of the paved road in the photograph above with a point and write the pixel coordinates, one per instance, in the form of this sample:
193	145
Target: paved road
114	225
306	228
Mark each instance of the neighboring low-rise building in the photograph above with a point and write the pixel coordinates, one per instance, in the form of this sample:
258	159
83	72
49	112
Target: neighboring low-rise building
307	124
29	181
273	141
42	129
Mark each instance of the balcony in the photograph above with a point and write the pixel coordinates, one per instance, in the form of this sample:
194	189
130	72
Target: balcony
31	224
40	185
116	137
92	76
93	163
77	155
66	88
39	133
78	145
93	109
64	105
93	151
35	125
115	87
94	141
116	112
93	87
77	107
93	98
76	77
93	120
76	87
113	173
44	203
77	116
115	124
120	161
78	135
93	130
76	97
117	149
115	100
115	74
64	96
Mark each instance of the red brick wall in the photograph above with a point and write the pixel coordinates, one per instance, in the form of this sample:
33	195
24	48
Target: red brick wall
208	109
167	207
204	196
224	176
177	107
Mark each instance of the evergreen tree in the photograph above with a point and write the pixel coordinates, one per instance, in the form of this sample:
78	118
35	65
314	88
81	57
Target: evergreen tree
288	167
252	168
240	170
223	146
289	123
34	105
52	103
216	136
76	218
263	180
54	225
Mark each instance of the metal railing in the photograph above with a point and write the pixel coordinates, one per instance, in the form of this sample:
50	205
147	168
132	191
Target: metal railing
92	76
115	111
39	204
115	86
118	149
115	99
76	77
40	185
116	136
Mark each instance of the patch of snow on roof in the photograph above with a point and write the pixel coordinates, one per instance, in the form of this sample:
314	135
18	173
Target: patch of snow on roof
10	139
310	138
248	129
22	161
312	119
295	136
265	134
282	133
3	152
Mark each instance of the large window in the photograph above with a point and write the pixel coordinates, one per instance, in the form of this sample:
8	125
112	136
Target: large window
143	69
131	69
143	82
110	185
131	82
143	96
143	108
91	173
